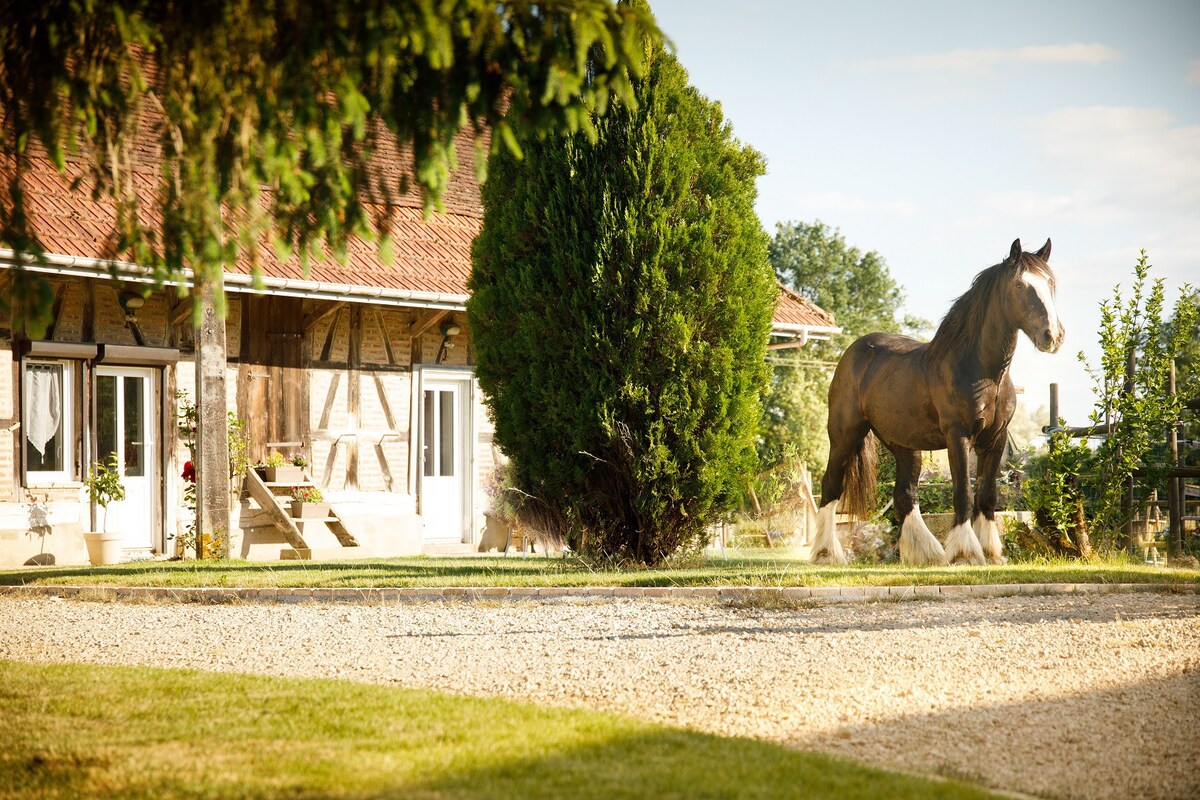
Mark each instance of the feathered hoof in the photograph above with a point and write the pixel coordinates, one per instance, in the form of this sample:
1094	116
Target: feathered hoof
829	557
997	560
962	546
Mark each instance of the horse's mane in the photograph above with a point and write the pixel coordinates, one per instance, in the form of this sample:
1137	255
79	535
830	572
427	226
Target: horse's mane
964	320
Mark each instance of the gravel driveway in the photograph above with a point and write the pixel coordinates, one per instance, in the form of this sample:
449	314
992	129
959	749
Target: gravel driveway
1084	696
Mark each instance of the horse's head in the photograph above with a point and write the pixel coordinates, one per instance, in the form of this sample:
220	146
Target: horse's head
1033	298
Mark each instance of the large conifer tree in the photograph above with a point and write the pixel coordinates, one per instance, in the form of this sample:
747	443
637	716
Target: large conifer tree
621	303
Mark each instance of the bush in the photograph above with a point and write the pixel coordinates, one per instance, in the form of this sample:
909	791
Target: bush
621	302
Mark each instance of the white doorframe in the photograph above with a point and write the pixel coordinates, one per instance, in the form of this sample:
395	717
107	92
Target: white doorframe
458	383
134	438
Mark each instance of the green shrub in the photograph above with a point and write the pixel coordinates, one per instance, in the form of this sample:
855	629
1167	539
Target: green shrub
621	302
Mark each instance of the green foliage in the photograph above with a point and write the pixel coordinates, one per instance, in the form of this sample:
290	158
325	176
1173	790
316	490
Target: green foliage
215	542
856	287
621	305
859	291
1187	360
308	494
795	408
298	460
1054	491
302	96
104	485
1139	407
276	460
104	482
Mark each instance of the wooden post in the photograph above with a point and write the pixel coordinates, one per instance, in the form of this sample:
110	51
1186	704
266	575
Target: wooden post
1127	500
1053	405
212	424
1174	512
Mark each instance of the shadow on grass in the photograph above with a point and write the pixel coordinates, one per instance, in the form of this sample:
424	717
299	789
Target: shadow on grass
110	732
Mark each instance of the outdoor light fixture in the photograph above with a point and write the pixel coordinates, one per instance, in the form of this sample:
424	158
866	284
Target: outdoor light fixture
130	303
448	330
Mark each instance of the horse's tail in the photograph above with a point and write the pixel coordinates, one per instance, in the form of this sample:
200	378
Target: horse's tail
858	487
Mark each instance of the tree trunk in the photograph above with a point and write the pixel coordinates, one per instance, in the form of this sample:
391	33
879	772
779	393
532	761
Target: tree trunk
212	425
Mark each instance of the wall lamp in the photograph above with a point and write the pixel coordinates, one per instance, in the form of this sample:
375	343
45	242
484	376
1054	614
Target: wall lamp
449	330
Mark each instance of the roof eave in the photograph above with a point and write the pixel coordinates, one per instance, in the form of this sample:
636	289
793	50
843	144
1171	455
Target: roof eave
78	266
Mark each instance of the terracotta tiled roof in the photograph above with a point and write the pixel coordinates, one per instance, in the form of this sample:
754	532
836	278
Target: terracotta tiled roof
796	309
431	255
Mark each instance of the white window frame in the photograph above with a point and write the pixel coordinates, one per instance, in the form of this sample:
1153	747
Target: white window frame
35	478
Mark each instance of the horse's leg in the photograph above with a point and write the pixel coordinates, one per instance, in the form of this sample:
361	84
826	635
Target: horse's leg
961	543
846	432
984	514
917	544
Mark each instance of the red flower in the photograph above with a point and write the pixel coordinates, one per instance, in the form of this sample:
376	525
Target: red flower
189	471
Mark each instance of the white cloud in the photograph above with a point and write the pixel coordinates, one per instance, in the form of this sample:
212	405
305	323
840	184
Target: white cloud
1124	156
985	60
827	203
1193	76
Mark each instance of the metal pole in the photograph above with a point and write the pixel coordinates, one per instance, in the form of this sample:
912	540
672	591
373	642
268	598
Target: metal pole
1053	405
1174	513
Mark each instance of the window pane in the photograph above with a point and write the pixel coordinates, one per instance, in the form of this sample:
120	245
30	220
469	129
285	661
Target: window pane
447	434
44	434
106	417
135	427
427	440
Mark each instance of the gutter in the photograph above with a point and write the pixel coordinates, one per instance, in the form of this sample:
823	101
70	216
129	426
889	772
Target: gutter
795	335
80	267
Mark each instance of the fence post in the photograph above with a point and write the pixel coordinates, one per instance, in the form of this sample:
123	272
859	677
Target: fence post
1053	405
1174	512
1127	500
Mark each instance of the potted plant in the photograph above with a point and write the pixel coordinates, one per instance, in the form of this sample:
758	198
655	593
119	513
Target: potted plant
309	503
278	470
299	460
104	486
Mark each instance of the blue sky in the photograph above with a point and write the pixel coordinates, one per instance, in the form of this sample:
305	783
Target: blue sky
936	133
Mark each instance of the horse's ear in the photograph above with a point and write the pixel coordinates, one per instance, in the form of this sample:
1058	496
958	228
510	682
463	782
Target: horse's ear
1015	253
1044	253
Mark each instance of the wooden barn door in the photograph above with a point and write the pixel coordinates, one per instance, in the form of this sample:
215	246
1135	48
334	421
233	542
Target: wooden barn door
272	381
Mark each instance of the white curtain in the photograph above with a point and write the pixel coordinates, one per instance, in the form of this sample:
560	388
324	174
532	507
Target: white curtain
44	387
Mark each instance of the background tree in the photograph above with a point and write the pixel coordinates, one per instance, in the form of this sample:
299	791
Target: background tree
295	96
859	291
621	301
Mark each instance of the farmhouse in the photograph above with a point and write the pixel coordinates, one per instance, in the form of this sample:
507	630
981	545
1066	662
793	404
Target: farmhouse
364	369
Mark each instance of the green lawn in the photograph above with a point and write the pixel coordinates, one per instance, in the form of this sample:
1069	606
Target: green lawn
745	568
107	732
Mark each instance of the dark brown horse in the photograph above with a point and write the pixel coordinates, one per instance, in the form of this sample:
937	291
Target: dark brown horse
953	393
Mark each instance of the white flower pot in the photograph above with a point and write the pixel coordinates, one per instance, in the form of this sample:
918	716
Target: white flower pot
301	510
105	548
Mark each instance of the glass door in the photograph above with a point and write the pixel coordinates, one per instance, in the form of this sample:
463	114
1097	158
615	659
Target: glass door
124	429
442	455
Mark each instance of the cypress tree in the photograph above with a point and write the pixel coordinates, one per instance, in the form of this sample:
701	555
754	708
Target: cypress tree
621	302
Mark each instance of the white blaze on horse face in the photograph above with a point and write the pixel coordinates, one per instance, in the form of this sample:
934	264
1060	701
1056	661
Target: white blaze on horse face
1041	286
827	548
962	545
918	545
989	539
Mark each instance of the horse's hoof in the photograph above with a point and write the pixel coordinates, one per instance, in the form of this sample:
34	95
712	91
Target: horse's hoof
825	557
997	560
